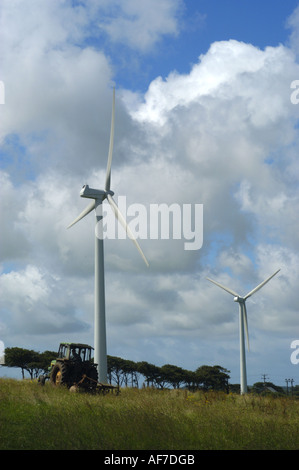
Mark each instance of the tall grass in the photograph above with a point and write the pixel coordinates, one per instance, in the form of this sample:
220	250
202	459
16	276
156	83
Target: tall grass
34	417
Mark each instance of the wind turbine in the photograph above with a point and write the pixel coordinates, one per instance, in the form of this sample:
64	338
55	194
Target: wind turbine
98	196
243	322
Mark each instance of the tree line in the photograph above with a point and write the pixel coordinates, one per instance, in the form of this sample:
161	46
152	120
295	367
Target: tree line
123	372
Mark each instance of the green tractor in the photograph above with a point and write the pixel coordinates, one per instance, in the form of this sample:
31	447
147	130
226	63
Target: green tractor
74	367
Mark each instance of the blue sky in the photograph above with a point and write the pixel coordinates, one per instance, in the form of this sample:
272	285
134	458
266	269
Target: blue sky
203	116
200	24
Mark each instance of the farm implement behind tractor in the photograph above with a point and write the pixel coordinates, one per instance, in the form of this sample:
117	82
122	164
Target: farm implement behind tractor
75	369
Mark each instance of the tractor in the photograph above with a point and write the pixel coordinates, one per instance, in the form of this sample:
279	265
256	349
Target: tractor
74	367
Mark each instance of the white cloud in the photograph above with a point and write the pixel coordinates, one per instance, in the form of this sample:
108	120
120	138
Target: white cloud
13	244
228	70
38	304
139	24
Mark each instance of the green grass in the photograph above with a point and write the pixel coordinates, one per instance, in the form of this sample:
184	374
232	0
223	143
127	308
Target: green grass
34	417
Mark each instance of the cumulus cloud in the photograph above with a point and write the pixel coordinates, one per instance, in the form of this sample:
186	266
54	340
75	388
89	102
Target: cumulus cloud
228	70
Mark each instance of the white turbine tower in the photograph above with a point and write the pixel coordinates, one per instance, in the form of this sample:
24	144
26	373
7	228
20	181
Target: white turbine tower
98	196
243	323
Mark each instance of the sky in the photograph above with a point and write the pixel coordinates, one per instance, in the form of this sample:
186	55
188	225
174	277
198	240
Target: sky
205	118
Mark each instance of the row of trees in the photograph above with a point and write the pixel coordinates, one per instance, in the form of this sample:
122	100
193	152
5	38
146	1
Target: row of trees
30	361
124	372
127	373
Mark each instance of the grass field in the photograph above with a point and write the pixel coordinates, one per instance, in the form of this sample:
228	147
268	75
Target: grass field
34	417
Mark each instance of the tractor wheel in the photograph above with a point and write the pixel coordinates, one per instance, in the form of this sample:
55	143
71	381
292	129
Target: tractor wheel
92	374
59	374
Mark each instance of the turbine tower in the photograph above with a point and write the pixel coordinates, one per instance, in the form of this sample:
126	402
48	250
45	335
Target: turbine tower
98	196
243	323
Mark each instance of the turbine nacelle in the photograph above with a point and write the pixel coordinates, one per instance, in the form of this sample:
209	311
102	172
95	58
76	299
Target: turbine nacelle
91	193
239	299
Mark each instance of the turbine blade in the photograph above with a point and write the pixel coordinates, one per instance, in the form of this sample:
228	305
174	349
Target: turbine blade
83	213
123	222
260	285
223	287
108	171
246	324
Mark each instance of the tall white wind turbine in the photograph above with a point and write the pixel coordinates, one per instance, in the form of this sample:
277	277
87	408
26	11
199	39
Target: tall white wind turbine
243	323
98	196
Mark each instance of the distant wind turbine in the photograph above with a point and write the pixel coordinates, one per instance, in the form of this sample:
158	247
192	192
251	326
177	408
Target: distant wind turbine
243	322
98	196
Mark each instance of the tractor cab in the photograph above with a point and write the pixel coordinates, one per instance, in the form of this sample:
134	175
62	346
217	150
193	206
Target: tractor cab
75	352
